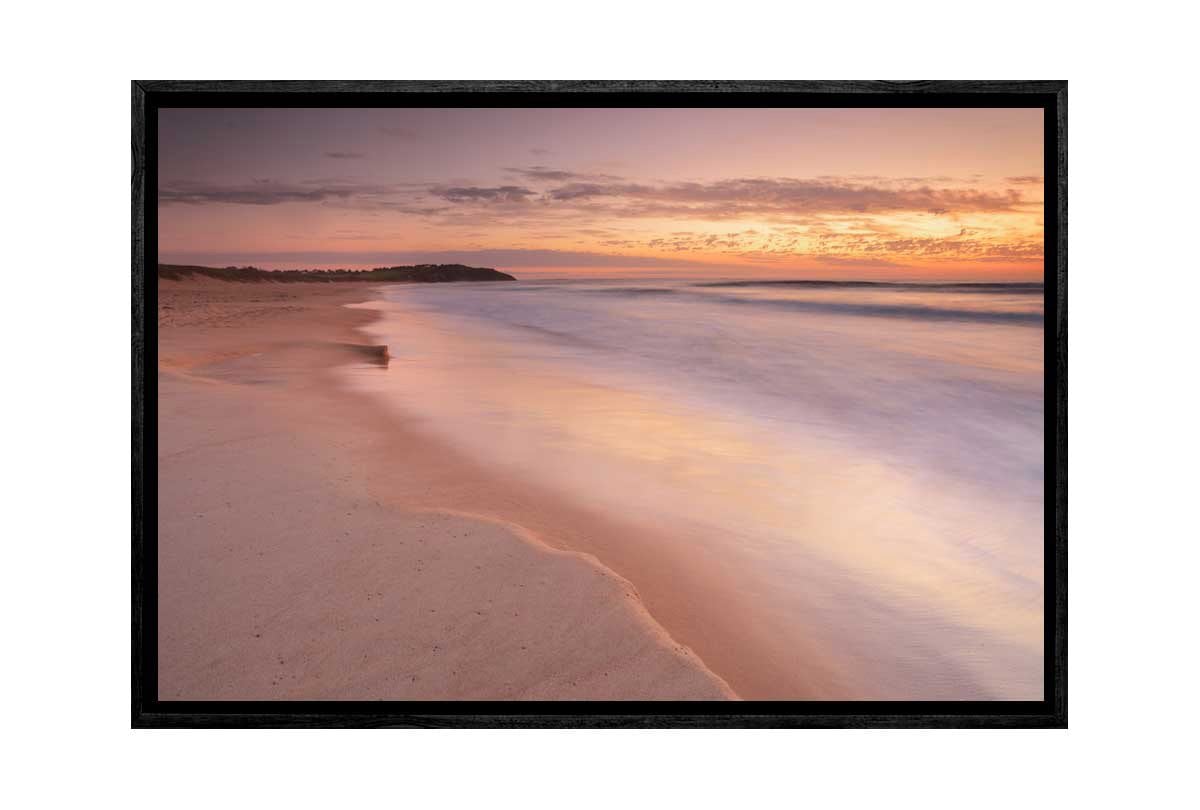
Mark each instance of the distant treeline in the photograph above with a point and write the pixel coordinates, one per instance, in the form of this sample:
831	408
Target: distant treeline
417	273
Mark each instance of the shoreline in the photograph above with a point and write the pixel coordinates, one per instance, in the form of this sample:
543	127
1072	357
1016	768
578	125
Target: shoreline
677	579
264	458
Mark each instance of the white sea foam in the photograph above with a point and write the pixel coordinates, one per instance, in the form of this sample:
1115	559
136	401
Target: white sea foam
867	461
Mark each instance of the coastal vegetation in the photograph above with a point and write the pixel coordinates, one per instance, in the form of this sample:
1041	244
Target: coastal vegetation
420	273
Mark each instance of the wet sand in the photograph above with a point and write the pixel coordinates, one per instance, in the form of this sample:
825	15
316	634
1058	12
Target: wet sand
313	547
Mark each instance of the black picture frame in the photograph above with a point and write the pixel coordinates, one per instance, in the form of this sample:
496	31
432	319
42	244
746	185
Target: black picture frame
150	712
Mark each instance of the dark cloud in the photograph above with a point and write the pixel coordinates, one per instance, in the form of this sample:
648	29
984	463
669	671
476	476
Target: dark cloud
725	199
345	155
1025	180
544	173
400	132
825	217
399	197
262	193
583	191
493	194
539	151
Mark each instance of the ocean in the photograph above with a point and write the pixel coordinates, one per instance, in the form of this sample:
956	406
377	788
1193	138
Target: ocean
858	466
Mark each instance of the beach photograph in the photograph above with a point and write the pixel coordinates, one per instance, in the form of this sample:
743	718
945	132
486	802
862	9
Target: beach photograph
601	403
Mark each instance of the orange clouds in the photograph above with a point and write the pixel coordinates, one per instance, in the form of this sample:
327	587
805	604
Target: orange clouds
756	190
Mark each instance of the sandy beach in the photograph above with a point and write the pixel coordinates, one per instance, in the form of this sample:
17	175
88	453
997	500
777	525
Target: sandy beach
313	546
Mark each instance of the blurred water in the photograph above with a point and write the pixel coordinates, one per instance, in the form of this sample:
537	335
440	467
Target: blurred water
865	461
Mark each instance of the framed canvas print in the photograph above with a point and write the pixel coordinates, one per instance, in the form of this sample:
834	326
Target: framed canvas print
586	404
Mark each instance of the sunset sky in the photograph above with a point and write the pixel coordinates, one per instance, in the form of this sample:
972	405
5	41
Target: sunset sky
818	193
